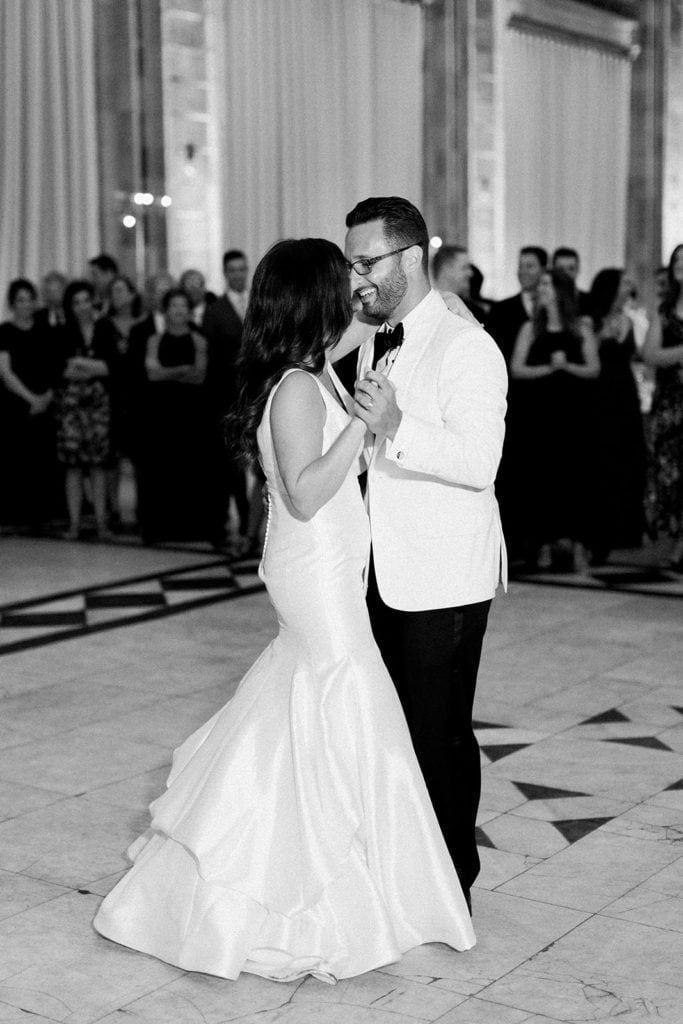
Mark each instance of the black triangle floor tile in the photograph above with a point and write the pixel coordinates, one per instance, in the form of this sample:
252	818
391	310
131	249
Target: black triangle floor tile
482	839
613	715
640	741
574	829
674	785
489	725
533	792
495	752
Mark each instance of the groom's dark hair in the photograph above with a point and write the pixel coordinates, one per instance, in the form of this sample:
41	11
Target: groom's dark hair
403	222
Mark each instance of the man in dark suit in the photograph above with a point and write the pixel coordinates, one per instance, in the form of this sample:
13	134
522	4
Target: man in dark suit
567	260
504	324
507	316
222	327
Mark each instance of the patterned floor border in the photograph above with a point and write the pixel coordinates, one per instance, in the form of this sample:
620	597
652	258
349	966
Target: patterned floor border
67	614
623	577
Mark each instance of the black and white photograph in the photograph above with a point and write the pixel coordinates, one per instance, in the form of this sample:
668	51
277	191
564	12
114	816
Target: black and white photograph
341	511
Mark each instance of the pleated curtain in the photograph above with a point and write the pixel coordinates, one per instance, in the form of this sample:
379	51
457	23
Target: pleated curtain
566	123
319	104
48	164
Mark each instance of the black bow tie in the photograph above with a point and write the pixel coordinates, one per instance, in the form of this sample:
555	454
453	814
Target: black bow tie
385	341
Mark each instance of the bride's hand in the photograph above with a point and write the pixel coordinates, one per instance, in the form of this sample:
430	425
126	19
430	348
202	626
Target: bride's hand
456	305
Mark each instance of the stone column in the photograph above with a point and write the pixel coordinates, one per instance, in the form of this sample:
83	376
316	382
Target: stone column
447	100
463	131
648	125
130	132
672	213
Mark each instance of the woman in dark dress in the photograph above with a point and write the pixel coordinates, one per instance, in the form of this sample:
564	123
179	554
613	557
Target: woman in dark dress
176	430
664	350
84	419
29	374
618	508
124	312
555	357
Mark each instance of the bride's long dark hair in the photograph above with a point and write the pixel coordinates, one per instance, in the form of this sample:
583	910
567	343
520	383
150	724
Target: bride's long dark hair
299	306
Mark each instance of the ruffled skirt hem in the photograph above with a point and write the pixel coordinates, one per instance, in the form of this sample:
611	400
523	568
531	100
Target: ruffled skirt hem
164	907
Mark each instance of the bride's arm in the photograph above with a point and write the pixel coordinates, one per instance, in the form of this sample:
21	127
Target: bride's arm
297	418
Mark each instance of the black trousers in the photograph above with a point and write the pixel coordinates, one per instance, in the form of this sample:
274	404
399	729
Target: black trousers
433	659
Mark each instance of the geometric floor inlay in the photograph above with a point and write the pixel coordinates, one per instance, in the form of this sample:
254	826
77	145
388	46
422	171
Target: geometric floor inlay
613	715
640	741
61	616
495	752
534	792
575	829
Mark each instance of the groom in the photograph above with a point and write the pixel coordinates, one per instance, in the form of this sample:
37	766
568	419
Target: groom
431	388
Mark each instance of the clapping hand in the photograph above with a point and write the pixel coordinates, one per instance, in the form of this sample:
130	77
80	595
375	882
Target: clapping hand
40	403
76	369
375	404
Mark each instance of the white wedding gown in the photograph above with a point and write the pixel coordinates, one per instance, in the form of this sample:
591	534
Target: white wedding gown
296	835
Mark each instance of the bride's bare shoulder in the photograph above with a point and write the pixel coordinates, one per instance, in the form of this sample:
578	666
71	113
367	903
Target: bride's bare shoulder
297	393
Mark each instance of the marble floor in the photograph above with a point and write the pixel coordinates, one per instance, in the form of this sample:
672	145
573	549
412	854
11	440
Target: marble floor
579	905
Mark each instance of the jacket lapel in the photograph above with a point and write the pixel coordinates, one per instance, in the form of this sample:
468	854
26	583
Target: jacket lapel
418	338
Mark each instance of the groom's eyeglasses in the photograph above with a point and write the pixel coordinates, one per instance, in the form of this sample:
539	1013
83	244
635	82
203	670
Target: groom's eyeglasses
364	266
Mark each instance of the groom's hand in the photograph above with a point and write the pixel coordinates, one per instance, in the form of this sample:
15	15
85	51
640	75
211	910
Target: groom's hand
375	404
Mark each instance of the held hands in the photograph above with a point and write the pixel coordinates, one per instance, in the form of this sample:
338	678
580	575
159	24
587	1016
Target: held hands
558	360
375	404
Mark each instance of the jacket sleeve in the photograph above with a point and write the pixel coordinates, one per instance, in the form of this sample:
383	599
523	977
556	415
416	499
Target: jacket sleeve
465	448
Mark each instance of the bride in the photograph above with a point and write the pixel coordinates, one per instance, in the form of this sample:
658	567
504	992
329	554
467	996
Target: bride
296	835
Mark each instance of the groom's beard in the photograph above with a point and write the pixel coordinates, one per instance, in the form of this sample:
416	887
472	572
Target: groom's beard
389	295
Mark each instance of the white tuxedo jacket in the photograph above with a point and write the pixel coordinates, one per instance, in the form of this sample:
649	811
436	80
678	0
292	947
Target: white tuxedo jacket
436	535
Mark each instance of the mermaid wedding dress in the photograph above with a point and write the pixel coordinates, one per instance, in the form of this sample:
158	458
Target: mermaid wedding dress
296	835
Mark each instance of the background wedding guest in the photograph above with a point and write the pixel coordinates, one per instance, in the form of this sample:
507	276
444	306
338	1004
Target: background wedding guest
480	306
135	377
556	362
52	294
84	416
504	323
29	373
508	315
222	326
125	308
176	452
451	270
193	284
664	351
567	260
661	283
618	519
103	270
